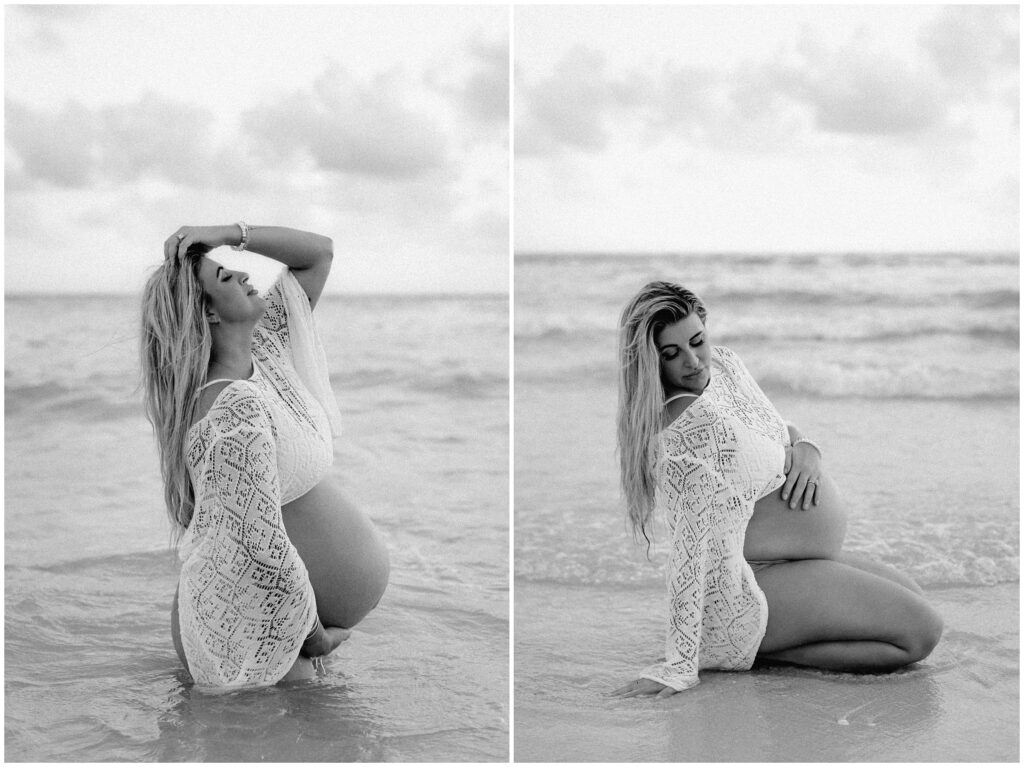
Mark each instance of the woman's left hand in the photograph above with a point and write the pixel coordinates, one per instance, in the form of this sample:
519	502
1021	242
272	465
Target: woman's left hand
209	236
803	472
644	687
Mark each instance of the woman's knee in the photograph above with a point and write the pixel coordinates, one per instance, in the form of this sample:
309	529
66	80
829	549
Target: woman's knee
921	631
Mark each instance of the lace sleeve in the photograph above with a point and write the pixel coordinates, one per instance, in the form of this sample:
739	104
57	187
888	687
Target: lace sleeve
690	489
287	331
717	614
246	602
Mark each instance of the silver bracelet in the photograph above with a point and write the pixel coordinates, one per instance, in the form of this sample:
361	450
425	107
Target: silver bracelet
813	444
245	236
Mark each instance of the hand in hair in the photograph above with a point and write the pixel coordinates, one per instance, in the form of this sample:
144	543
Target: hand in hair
200	239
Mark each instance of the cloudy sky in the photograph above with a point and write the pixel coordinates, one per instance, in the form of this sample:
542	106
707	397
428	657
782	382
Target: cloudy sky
766	128
385	128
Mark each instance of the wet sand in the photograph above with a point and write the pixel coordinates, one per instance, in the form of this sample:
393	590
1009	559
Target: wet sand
960	704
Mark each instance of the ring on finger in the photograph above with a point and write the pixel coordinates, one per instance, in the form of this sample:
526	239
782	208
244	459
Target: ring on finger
180	236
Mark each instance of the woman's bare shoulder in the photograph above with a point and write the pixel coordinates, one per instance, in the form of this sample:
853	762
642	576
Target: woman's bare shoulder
213	400
677	407
207	397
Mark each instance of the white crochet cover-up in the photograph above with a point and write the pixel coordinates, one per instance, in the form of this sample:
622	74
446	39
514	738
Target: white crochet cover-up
245	600
722	454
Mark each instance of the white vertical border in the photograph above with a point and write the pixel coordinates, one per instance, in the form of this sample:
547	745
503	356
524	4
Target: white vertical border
511	385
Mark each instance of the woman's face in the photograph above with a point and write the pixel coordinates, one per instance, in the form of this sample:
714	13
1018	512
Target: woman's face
230	295
685	354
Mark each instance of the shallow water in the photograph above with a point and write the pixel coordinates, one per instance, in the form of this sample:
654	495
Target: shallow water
90	673
906	373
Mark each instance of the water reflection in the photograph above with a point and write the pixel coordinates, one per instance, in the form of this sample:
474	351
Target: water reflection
789	714
310	721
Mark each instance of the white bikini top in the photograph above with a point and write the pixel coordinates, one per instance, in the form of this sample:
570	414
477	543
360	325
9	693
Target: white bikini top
670	399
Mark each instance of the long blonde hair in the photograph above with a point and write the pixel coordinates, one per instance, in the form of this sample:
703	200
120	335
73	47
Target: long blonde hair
175	347
641	393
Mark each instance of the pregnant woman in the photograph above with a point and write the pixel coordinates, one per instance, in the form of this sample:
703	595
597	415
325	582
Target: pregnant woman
276	564
756	570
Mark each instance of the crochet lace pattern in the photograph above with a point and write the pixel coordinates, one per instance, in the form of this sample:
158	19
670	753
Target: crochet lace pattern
720	456
246	603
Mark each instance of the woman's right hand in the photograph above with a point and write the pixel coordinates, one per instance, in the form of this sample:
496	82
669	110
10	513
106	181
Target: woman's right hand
325	641
803	475
644	687
205	238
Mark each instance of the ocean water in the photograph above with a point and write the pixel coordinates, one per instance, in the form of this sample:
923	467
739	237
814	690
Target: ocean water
90	673
906	370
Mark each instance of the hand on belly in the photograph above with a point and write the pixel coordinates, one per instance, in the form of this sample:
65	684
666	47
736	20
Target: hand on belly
777	532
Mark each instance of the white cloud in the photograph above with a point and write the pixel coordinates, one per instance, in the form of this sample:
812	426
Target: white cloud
774	128
859	92
78	147
384	127
350	127
58	149
859	89
485	93
573	105
971	44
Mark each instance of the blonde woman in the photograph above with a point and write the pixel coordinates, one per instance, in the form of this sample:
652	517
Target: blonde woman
276	564
756	569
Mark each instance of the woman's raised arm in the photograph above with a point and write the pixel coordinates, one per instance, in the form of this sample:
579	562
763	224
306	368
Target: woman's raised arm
308	255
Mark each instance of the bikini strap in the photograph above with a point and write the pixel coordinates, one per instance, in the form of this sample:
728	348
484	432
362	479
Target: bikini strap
677	396
217	380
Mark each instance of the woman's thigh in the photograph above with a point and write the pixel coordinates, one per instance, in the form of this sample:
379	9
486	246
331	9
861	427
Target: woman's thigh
878	568
777	532
819	600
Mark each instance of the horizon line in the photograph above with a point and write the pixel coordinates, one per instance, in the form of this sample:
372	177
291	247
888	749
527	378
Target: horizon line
490	294
730	253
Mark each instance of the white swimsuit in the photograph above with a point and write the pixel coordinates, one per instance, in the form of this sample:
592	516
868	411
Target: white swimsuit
245	602
721	455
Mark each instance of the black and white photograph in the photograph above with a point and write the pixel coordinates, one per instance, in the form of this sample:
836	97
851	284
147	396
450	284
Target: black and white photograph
766	438
512	383
256	383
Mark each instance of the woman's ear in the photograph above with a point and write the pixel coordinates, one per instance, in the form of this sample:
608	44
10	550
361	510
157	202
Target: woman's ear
212	318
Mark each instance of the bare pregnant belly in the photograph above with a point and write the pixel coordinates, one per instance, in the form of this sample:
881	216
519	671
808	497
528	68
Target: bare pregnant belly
776	532
343	552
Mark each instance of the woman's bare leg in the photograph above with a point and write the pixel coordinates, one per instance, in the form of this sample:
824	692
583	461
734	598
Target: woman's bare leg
877	568
834	616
